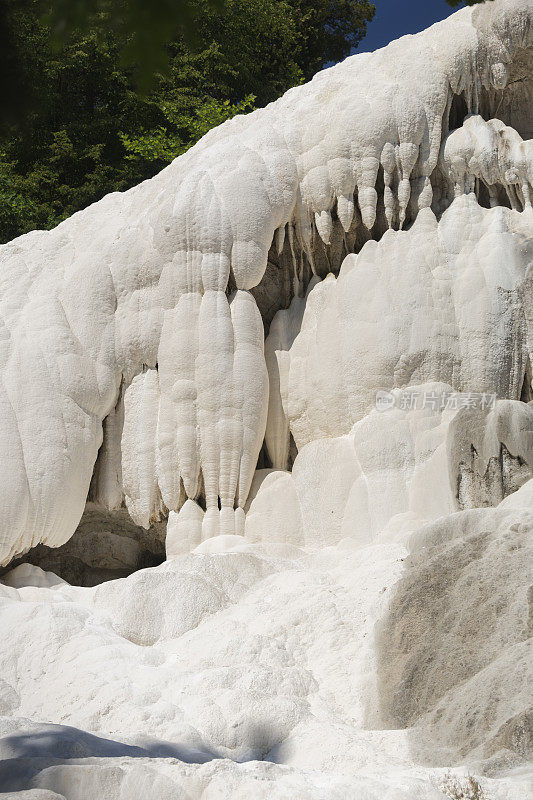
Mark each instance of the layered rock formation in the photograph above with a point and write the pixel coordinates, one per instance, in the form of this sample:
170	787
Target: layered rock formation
300	360
158	362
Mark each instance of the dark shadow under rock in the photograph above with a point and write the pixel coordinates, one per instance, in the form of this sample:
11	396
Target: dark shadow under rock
105	546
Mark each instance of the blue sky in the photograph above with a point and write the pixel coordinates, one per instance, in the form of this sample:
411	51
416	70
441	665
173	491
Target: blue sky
394	18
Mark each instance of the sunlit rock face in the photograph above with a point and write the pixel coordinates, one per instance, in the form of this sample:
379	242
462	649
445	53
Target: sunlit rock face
298	363
397	470
447	301
137	318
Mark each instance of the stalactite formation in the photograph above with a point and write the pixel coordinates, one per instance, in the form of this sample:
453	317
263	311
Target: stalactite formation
152	381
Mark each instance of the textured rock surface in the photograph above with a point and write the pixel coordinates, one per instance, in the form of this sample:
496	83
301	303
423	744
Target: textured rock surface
161	355
276	671
300	367
449	301
465	678
396	470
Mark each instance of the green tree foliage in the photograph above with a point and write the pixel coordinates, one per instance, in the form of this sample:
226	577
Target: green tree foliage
88	116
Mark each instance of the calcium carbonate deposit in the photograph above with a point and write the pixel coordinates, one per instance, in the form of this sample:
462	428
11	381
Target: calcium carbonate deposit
266	451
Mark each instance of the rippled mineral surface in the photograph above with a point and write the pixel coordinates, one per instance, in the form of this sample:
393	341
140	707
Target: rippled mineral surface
266	451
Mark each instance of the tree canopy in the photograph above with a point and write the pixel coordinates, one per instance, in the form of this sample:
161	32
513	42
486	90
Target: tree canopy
104	93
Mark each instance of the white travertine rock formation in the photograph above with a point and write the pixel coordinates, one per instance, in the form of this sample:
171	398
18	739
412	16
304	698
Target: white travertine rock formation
372	672
166	323
283	331
396	470
299	361
493	153
448	301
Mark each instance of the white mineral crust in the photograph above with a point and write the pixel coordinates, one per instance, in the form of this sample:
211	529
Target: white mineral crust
299	360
